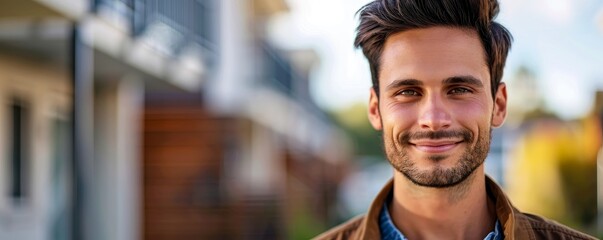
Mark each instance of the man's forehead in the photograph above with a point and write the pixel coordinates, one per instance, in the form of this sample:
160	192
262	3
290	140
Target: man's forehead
433	38
437	52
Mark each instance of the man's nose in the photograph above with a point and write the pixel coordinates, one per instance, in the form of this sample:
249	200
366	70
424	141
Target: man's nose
434	115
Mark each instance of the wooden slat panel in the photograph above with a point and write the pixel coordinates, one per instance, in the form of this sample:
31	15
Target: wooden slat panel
183	150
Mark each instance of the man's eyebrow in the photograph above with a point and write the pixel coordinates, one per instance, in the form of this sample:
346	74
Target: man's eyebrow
403	82
464	79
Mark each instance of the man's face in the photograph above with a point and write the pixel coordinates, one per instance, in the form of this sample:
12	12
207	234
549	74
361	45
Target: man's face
435	107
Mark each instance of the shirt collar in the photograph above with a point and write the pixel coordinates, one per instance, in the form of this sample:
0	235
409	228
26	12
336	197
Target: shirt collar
505	213
388	230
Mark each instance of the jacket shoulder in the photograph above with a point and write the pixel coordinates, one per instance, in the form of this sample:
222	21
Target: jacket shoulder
345	230
548	229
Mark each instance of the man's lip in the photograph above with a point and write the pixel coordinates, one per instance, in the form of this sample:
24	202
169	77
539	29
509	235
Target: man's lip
428	142
430	146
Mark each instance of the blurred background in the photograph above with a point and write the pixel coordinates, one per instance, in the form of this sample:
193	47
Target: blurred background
246	119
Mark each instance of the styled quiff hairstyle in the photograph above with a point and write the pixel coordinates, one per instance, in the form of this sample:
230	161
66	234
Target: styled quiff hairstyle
382	18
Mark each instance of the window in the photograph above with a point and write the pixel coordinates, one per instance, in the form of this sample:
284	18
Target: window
18	149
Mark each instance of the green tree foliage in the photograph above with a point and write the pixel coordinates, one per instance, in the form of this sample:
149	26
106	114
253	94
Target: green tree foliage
354	121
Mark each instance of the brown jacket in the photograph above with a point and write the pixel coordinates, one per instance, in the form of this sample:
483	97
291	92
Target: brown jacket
516	225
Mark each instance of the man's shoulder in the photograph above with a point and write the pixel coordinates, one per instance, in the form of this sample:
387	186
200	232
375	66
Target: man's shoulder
346	230
544	228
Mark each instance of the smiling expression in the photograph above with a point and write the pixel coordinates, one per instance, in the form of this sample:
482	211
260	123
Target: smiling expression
435	107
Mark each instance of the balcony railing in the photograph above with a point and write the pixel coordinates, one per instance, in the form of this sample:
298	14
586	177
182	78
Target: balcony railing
192	19
277	71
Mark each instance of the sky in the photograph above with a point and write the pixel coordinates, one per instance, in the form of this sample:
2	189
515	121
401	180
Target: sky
561	41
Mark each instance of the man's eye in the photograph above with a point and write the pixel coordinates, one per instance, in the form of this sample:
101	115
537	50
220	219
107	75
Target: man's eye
459	91
408	92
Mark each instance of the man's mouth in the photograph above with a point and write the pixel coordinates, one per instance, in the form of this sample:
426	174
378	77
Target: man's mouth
435	146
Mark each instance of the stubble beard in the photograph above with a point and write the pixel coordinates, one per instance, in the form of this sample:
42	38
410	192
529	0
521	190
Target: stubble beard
438	176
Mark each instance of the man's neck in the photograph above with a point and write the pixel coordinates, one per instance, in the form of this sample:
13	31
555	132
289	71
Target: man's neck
459	212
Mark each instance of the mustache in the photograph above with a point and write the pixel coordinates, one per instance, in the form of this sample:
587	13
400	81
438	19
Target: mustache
464	134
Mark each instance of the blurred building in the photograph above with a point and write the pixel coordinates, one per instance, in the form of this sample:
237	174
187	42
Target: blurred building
74	76
150	119
36	100
258	159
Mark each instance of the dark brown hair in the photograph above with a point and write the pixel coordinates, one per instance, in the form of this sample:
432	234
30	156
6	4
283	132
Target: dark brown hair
382	18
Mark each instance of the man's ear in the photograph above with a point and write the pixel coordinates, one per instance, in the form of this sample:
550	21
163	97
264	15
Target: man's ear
373	111
500	106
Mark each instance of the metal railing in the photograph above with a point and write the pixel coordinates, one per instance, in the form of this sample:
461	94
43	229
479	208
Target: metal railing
193	19
277	71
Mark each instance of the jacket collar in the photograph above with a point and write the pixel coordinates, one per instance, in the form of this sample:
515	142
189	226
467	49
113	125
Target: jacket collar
505	212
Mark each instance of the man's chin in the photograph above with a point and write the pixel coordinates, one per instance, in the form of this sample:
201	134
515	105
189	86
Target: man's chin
436	179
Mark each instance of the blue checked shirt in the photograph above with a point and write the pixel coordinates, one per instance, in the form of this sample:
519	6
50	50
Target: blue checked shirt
390	232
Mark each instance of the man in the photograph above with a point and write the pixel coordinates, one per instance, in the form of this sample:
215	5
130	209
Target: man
436	68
